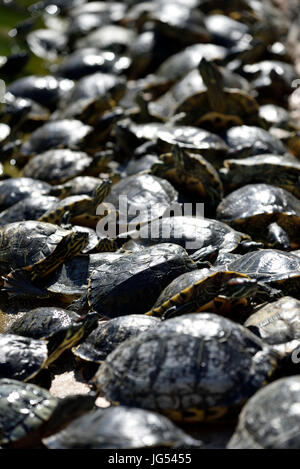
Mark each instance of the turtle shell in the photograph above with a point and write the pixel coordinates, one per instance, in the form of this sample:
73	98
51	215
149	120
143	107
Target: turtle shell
192	233
197	291
277	170
277	322
28	413
45	90
146	198
21	357
253	207
270	419
130	284
248	140
278	268
16	189
201	366
30	208
109	334
57	166
31	244
69	133
121	428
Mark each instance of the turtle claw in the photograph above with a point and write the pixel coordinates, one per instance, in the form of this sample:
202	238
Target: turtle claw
18	284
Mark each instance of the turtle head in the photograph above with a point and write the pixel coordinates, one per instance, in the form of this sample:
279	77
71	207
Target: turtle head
102	191
239	287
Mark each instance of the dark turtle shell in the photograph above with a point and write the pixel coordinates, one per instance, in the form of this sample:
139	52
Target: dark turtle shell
70	280
121	428
246	140
201	366
21	357
16	189
192	174
36	246
70	133
130	284
192	233
30	208
208	144
178	65
277	322
278	268
61	328
47	44
28	413
270	419
45	90
139	199
278	170
57	166
86	61
109	334
202	290
255	207
91	97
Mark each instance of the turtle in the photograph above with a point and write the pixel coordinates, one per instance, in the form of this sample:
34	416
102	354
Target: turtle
30	250
130	283
217	107
180	64
278	269
30	208
45	90
16	189
23	114
272	79
182	22
83	62
62	329
121	427
227	31
250	140
191	232
222	290
135	166
269	420
275	116
203	366
88	16
269	214
129	135
21	357
91	97
210	145
82	185
192	174
187	89
70	280
109	334
277	170
56	166
82	208
134	201
47	43
70	133
277	322
110	37
28	413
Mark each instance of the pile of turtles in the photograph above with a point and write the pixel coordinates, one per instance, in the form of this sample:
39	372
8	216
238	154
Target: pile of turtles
150	225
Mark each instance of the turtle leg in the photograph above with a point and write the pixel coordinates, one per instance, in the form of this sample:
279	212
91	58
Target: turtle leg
278	237
18	284
205	256
178	310
267	293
